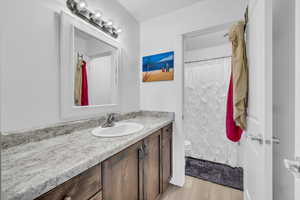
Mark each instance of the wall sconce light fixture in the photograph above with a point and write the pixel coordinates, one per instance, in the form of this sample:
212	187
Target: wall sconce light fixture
80	8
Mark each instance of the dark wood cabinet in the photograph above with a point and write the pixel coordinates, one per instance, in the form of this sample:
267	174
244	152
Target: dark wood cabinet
121	175
97	196
140	172
166	154
82	187
152	166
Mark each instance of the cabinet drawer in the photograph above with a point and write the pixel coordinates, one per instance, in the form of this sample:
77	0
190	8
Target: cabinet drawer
81	187
97	196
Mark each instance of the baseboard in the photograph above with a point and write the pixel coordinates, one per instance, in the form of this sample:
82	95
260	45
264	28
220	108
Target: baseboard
215	172
178	180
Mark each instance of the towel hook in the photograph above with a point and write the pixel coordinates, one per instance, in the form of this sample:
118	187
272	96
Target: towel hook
79	56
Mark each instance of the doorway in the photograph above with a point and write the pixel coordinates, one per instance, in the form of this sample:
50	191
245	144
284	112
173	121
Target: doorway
207	68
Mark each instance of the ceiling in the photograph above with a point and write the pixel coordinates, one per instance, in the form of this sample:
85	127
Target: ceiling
146	9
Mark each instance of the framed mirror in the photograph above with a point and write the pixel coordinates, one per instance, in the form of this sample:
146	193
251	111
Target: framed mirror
89	69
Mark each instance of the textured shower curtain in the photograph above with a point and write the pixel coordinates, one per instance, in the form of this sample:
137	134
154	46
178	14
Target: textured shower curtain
205	94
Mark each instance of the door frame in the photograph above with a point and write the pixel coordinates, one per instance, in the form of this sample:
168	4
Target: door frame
260	131
297	91
178	160
199	33
269	99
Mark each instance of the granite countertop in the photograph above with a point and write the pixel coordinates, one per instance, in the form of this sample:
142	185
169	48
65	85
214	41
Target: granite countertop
31	169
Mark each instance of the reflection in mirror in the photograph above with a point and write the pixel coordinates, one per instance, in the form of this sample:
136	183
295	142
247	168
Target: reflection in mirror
95	70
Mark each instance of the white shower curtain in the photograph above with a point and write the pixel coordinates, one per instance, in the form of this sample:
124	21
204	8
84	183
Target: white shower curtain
205	90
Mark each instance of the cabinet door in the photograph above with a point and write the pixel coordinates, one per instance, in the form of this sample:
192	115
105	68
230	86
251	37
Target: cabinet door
152	166
81	187
97	196
122	175
166	156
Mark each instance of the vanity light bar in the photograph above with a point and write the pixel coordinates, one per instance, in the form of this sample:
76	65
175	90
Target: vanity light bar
80	9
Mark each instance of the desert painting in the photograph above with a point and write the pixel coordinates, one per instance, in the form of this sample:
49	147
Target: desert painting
159	67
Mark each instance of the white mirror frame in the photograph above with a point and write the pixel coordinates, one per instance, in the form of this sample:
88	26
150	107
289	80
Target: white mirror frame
67	30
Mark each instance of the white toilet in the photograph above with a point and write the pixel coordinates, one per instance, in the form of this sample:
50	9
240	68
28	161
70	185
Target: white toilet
188	148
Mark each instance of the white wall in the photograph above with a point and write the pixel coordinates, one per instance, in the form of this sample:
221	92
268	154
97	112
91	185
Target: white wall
100	80
30	90
283	96
164	33
80	46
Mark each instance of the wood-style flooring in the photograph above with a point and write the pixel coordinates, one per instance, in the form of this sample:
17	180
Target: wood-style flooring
196	189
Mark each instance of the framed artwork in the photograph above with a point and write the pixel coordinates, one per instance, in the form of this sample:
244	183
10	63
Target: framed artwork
159	67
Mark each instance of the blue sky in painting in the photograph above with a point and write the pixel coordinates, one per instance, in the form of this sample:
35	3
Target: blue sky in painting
158	61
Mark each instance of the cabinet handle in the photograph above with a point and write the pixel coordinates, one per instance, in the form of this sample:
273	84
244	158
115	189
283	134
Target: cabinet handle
169	129
68	198
141	153
146	150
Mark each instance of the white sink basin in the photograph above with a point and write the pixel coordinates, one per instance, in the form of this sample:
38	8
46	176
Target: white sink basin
119	129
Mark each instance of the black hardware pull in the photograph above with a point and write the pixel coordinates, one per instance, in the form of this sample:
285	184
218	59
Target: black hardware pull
141	153
146	150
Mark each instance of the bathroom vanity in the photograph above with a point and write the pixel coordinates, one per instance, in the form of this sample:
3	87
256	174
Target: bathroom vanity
141	171
78	165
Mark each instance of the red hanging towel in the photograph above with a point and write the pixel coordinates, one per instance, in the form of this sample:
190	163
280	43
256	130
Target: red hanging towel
84	88
233	131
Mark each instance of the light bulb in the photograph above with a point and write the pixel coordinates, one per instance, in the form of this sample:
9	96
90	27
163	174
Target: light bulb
81	6
108	23
96	16
118	30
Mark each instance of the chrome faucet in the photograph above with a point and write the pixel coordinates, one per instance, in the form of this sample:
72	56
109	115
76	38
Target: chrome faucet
110	121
